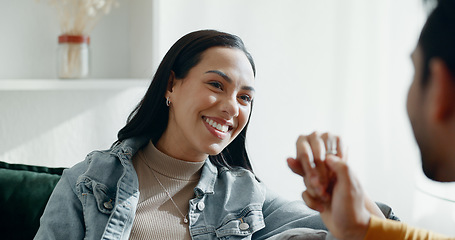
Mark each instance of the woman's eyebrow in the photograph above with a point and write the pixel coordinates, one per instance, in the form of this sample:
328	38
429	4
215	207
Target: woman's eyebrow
228	79
222	74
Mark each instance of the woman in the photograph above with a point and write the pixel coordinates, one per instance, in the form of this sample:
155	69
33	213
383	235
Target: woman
179	169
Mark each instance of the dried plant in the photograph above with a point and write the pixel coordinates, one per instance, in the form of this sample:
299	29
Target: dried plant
79	17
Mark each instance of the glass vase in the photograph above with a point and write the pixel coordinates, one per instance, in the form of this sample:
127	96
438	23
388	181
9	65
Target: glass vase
73	56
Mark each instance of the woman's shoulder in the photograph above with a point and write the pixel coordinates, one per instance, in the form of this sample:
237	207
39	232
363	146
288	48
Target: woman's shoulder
96	164
106	166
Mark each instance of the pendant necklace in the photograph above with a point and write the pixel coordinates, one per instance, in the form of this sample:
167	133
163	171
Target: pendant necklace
185	220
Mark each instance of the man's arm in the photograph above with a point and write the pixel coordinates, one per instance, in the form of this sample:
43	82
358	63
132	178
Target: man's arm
339	197
387	229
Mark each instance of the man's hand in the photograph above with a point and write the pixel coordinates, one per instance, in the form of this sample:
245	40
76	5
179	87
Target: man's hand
345	214
332	189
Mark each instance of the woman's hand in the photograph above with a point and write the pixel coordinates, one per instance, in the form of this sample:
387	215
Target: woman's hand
332	189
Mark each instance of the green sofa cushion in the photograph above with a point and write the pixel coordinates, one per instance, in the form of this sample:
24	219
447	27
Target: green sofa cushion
24	192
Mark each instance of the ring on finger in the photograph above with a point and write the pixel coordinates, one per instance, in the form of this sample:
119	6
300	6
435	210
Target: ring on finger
332	151
332	146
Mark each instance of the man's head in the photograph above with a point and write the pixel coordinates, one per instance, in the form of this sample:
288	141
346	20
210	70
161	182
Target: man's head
431	97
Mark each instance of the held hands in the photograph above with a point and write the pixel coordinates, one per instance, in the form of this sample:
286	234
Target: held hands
332	189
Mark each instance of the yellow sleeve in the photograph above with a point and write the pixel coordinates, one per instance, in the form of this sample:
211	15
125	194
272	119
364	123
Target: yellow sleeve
380	229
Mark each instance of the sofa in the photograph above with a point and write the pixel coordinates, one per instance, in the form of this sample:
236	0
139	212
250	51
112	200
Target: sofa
24	192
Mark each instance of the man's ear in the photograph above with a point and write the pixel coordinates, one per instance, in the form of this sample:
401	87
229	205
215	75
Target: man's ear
442	91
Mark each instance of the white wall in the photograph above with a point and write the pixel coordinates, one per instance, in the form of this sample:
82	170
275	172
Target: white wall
57	126
341	66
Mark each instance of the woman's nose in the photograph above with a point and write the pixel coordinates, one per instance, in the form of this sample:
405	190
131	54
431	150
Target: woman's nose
231	106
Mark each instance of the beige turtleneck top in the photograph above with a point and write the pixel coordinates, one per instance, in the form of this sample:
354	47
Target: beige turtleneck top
156	216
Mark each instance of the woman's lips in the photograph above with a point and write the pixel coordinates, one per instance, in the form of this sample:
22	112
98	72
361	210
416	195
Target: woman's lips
218	129
216	125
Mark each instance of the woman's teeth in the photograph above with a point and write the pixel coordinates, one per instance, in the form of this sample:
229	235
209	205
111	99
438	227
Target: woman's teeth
219	127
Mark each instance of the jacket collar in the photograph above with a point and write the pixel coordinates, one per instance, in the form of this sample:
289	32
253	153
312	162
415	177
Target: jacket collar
128	147
206	184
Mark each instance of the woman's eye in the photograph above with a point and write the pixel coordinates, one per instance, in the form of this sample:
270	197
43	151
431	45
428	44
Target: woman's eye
216	85
246	98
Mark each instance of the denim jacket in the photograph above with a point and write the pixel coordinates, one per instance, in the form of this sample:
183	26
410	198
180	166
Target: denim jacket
97	199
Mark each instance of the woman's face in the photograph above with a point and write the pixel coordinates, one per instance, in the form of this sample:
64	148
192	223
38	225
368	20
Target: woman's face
210	106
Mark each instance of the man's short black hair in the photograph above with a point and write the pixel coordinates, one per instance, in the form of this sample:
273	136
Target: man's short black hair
437	39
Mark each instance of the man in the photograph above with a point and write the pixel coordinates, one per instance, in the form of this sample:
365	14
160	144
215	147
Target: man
334	191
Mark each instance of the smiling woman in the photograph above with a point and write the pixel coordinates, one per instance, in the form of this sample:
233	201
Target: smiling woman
179	169
210	106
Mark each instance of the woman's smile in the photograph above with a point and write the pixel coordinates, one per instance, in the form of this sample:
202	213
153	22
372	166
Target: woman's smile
218	127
